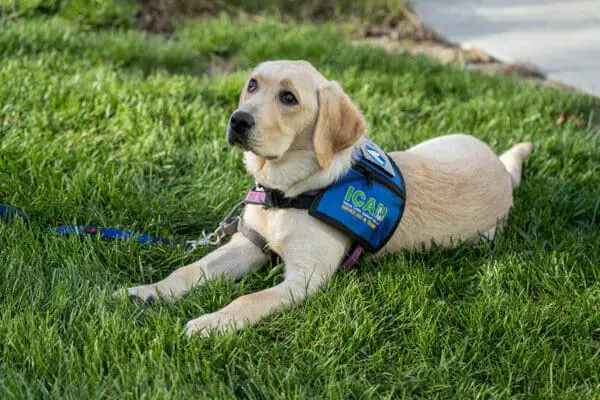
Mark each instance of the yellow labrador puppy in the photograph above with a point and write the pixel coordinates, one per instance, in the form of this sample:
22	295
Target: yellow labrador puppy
299	132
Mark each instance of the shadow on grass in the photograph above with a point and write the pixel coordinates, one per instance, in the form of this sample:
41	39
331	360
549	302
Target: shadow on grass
127	49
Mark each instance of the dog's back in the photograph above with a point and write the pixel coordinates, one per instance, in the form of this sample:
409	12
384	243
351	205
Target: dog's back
457	190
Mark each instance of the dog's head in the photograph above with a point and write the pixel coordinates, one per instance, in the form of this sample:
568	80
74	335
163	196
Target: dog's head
289	105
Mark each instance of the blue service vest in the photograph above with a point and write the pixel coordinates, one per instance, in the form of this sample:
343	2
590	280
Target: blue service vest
368	202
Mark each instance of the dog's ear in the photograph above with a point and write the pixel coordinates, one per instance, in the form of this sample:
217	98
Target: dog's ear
339	124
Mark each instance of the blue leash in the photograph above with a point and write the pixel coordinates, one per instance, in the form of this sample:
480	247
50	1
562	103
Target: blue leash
113	233
9	214
227	227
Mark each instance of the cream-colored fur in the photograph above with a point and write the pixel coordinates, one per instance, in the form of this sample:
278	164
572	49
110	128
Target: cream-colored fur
458	190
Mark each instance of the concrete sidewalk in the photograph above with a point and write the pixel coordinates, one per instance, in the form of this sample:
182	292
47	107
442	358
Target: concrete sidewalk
560	37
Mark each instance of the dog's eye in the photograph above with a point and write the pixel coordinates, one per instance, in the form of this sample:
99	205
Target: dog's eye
252	86
288	98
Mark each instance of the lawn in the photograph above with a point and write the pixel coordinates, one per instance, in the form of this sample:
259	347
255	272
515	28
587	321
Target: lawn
100	124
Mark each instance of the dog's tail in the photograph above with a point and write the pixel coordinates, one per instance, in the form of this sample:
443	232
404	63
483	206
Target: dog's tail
513	160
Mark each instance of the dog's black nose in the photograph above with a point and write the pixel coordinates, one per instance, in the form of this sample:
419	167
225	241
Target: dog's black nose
241	122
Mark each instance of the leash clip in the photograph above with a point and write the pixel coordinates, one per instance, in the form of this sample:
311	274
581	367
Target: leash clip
227	227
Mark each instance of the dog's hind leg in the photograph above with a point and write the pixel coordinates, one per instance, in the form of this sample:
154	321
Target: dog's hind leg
513	160
234	259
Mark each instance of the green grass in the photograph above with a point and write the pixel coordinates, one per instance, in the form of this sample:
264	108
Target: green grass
114	128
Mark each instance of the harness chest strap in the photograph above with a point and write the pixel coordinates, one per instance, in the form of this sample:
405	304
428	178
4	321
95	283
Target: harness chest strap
256	238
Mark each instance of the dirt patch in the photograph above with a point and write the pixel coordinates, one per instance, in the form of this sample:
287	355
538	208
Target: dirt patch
448	53
161	16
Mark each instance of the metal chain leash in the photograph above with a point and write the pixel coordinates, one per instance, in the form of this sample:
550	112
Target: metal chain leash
227	227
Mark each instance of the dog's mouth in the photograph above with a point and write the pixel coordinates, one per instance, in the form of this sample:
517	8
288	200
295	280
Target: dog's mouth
246	143
236	140
268	157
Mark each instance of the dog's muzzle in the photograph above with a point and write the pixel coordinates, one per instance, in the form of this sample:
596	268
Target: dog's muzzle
240	126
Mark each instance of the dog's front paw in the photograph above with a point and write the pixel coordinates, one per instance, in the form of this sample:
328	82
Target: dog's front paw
166	290
218	322
146	293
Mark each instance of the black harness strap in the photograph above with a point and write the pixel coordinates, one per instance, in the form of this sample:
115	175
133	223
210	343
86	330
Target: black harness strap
276	199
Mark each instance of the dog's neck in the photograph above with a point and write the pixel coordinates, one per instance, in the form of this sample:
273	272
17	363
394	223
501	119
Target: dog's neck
298	171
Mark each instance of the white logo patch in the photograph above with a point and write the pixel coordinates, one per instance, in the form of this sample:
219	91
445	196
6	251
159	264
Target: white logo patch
376	155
